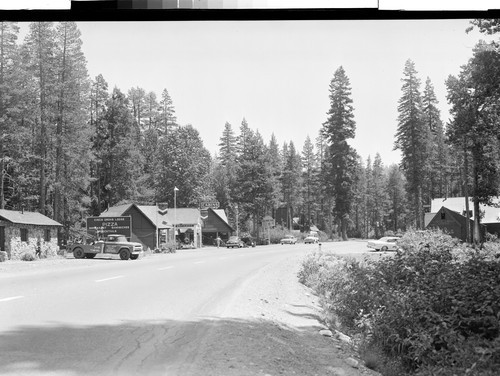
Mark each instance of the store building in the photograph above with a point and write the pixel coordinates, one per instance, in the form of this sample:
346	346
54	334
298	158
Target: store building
215	224
151	225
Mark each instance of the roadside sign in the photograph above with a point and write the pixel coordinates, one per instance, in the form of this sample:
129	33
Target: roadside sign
268	222
102	226
212	203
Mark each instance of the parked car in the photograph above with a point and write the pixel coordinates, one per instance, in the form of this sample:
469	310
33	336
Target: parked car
311	239
387	243
234	242
288	239
248	241
113	244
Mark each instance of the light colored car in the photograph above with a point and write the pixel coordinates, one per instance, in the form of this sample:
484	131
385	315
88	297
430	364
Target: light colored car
288	239
311	239
387	243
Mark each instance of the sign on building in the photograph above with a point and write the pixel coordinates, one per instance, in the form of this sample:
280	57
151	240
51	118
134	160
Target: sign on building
99	227
268	222
209	203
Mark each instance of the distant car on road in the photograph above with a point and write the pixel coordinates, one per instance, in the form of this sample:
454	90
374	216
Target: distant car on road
387	243
248	241
288	239
311	239
234	242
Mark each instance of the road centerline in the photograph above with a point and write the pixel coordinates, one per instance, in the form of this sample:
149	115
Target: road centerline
109	279
165	268
11	298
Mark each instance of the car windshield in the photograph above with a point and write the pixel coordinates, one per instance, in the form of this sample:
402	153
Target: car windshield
289	236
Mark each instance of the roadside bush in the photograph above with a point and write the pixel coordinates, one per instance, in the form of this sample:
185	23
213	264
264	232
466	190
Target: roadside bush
434	306
168	247
28	256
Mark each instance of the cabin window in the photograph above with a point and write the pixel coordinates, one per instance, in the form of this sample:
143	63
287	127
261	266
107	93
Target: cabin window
24	234
47	235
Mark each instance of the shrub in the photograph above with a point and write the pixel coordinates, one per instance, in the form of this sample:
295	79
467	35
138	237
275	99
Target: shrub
168	247
28	256
434	306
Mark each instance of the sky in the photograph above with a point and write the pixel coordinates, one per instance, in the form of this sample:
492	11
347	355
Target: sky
276	74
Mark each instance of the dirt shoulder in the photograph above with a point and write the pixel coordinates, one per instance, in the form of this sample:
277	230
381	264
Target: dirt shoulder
276	331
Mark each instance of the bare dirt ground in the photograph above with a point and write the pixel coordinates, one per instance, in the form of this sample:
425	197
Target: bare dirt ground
276	331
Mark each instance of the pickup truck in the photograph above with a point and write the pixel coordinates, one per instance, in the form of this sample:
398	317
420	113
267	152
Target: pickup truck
113	244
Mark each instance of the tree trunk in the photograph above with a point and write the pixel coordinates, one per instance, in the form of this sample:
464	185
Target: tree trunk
477	221
466	194
343	225
59	136
43	127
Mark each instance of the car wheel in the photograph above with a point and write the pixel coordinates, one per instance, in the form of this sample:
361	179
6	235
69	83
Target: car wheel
124	254
134	257
78	253
89	255
384	249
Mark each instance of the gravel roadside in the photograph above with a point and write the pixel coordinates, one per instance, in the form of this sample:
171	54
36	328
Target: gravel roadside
273	328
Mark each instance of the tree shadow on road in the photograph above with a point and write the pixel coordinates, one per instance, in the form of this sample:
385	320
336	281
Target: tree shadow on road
203	347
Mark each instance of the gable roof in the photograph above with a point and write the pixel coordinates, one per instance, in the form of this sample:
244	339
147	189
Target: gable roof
489	214
162	219
27	218
221	214
183	216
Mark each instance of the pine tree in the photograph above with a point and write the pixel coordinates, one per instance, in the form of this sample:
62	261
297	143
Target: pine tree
474	129
254	178
395	188
228	166
359	209
151	110
412	138
98	101
39	53
183	162
291	181
338	128
274	157
378	195
122	162
137	101
72	134
166	116
439	164
309	178
9	108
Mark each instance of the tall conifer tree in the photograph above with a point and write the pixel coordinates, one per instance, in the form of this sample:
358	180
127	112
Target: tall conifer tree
338	128
412	138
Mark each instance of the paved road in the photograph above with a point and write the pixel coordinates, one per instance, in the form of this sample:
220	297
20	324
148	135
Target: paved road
125	317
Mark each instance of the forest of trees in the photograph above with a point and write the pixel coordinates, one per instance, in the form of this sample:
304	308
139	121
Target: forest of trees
70	146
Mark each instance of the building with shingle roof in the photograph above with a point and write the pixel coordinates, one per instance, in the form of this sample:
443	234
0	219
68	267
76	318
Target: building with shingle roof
215	224
151	226
489	214
27	232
